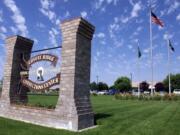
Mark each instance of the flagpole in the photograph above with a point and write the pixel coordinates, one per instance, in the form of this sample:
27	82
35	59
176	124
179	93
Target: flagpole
151	46
138	61
139	80
169	73
139	93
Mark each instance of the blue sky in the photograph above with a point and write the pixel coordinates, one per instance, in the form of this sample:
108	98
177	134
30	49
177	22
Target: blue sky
119	25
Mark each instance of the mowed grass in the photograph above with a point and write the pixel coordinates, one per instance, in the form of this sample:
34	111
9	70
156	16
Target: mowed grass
114	117
43	100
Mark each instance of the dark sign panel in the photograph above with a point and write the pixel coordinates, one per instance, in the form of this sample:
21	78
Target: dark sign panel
42	86
39	86
43	57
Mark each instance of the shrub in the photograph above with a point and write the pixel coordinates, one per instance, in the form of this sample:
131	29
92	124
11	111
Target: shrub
143	97
124	96
175	97
94	94
118	96
166	97
157	97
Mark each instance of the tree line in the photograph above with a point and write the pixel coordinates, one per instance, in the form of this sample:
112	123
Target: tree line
124	84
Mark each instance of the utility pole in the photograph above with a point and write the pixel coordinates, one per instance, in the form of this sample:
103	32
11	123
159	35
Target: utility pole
97	77
131	78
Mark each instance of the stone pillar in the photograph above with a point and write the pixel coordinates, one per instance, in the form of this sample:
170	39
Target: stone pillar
74	100
16	47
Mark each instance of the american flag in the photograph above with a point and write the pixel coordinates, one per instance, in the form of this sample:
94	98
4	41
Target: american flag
156	20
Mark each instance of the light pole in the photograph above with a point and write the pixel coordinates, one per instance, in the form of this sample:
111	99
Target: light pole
131	78
97	77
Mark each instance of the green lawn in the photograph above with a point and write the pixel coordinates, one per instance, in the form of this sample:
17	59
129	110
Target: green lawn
42	100
114	117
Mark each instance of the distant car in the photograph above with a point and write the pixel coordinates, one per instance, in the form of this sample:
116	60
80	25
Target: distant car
146	92
105	92
176	91
93	92
112	92
135	92
162	93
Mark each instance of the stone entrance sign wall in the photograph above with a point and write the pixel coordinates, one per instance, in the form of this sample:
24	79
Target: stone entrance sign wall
73	110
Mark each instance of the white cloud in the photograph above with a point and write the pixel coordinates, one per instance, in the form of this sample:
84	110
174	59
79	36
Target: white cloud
139	21
178	17
100	35
40	25
17	17
121	22
67	14
52	36
113	29
101	4
50	14
3	32
167	2
124	19
147	50
115	2
136	32
136	8
46	6
2	36
110	1
57	21
134	13
131	2
139	28
110	65
103	42
130	47
95	58
55	31
118	43
116	19
14	30
65	0
98	4
98	53
162	12
84	14
178	57
35	40
3	29
173	7
167	36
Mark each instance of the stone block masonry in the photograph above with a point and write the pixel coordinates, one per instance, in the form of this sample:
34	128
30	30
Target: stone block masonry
17	47
73	110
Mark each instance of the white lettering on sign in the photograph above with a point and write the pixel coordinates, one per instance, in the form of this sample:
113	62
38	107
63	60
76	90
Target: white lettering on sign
35	86
43	57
